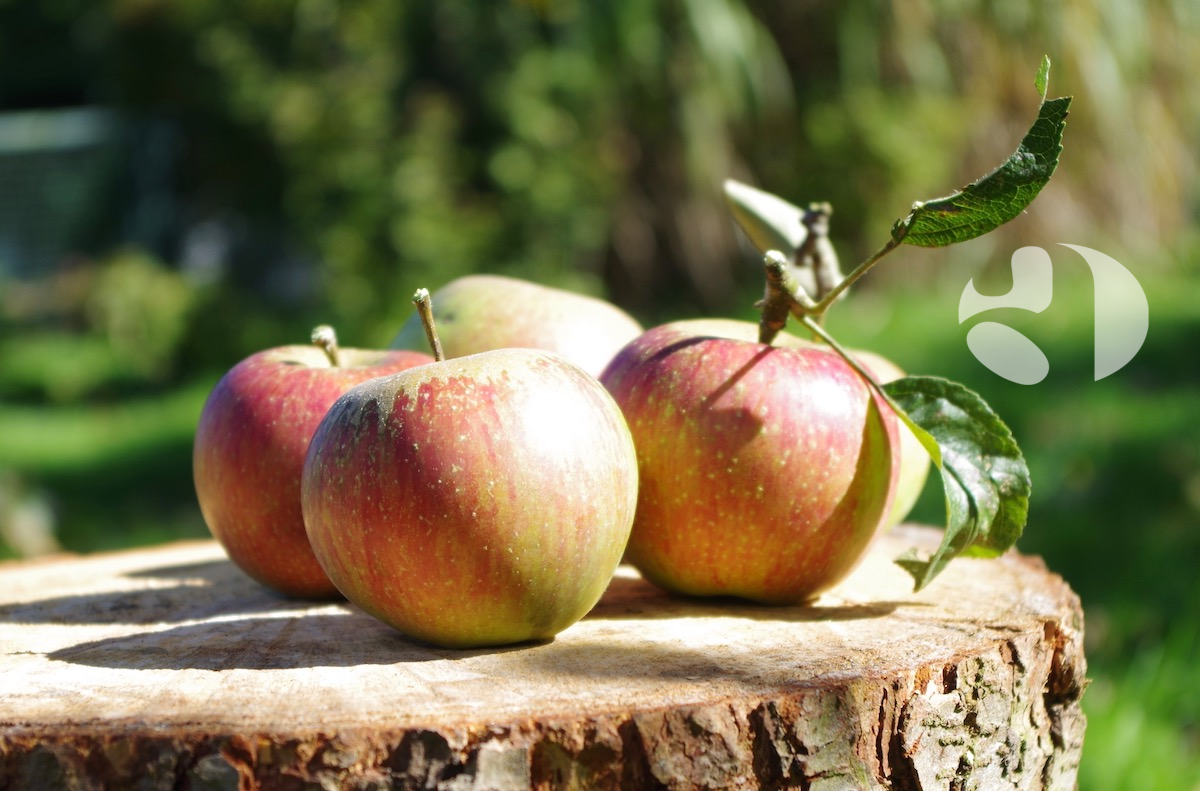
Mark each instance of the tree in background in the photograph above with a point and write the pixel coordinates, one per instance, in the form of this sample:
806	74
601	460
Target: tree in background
401	144
334	155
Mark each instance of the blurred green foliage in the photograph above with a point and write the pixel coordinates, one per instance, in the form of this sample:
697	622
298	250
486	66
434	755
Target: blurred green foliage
265	165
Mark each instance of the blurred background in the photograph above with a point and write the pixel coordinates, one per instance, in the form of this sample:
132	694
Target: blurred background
184	183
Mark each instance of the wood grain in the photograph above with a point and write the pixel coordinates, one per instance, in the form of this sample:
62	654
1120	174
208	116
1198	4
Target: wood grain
167	668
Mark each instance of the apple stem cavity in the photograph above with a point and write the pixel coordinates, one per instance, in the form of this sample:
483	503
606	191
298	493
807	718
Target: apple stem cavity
324	337
425	310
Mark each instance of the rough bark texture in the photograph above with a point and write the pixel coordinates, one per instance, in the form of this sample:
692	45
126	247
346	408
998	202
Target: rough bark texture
168	669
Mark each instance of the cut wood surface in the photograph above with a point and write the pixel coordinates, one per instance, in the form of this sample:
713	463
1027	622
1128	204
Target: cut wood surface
168	668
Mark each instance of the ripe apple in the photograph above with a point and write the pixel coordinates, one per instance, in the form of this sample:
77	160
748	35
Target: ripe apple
249	451
765	471
478	313
914	459
477	501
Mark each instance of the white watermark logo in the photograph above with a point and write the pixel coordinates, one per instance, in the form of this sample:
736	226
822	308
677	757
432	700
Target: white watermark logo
1122	316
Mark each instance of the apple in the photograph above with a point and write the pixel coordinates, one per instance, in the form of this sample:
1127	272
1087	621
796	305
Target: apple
478	501
914	459
765	471
479	313
249	451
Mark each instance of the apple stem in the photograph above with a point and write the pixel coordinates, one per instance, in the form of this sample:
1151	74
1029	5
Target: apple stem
425	310
859	271
786	297
783	291
324	336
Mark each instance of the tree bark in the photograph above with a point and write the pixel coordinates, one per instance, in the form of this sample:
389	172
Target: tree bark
169	669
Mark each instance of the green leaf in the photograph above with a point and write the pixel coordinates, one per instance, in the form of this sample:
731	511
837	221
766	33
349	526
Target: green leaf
984	474
770	222
999	196
1042	81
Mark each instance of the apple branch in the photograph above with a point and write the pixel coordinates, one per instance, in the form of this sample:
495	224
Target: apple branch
425	310
324	337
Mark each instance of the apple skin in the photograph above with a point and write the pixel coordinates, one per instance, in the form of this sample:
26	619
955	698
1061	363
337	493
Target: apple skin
479	313
765	471
914	459
479	501
249	451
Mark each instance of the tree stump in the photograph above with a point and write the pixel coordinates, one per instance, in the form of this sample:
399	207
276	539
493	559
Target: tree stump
167	668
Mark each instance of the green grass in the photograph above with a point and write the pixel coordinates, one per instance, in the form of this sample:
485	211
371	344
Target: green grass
67	439
1142	729
117	474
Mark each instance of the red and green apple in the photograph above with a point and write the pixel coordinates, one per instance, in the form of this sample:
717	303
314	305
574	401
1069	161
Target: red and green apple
249	451
765	471
477	501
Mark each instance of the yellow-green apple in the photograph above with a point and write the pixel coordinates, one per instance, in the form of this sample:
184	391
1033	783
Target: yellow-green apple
765	471
249	451
479	313
914	459
477	501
